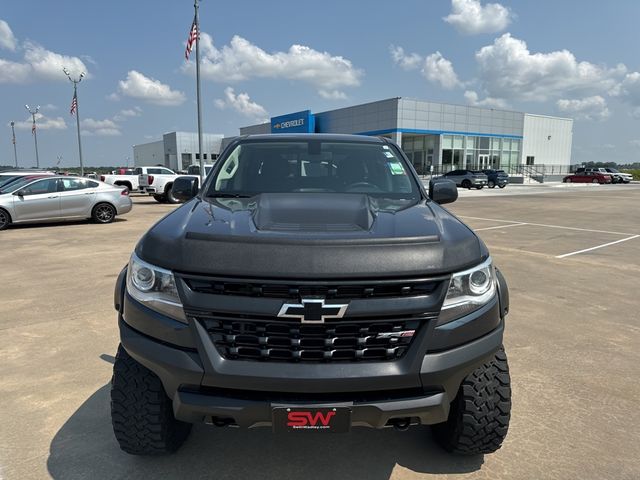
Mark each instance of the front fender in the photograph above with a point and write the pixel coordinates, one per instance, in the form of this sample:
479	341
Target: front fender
118	294
503	294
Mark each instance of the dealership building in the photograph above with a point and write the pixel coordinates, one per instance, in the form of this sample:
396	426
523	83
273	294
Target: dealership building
445	136
177	150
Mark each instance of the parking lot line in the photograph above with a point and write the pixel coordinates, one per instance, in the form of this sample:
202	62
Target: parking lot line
597	247
547	226
499	226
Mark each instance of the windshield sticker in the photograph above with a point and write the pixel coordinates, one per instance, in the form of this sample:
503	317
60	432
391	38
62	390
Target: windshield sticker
388	155
396	168
386	147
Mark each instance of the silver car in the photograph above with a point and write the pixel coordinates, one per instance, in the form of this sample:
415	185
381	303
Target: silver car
61	198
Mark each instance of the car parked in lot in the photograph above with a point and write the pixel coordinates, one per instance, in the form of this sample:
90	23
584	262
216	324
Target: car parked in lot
122	178
312	284
496	178
468	178
157	182
588	177
48	198
618	176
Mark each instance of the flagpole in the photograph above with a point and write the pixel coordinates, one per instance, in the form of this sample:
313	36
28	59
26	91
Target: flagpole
77	112
197	20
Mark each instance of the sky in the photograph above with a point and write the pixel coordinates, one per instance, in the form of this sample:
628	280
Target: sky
569	58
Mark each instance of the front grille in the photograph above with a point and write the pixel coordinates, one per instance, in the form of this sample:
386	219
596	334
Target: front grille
327	290
344	340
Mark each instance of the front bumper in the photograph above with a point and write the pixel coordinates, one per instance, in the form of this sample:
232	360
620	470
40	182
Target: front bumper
205	387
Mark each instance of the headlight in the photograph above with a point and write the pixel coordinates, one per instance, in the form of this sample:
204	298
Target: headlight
155	288
468	291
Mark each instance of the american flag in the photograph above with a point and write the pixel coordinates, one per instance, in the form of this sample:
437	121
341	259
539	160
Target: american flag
74	104
33	128
193	35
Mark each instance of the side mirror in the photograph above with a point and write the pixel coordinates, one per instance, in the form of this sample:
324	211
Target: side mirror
20	193
443	190
185	188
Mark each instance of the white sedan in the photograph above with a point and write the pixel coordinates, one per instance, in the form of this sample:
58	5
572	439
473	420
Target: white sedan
53	198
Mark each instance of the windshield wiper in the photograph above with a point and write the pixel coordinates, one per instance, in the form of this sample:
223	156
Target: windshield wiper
228	195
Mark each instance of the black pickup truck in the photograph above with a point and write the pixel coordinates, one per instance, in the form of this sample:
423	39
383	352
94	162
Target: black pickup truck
311	285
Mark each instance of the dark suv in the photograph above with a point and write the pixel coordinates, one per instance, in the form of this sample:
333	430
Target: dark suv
498	178
468	178
311	284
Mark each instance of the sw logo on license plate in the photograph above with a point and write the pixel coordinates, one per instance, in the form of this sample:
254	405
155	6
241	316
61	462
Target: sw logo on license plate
330	420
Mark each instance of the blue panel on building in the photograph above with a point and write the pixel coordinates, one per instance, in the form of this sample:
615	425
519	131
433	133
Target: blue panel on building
299	122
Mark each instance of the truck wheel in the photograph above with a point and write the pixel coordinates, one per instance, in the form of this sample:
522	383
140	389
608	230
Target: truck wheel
169	195
503	185
159	198
491	184
466	184
479	416
141	412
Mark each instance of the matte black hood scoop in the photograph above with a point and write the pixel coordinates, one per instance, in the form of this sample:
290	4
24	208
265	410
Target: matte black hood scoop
313	212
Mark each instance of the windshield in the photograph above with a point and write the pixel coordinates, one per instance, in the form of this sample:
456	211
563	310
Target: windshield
314	166
612	170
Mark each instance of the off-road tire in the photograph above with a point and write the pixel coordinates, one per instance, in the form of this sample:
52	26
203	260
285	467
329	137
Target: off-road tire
491	184
502	185
479	416
160	198
466	184
168	193
141	412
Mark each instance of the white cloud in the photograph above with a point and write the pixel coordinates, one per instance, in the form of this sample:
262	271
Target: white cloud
628	90
410	61
242	104
588	108
332	94
490	102
127	113
137	85
39	64
508	70
241	60
7	39
435	67
470	17
42	123
438	69
634	143
14	72
102	128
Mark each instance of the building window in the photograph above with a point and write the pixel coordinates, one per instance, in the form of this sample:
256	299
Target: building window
530	160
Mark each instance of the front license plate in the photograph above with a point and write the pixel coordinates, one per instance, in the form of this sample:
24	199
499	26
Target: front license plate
298	419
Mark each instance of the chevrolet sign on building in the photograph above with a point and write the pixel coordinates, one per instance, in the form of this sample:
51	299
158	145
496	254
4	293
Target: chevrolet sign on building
299	122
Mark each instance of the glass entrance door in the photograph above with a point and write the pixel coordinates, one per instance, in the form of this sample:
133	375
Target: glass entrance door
483	162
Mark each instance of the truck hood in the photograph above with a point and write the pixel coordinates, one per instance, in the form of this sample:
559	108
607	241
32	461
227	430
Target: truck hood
311	235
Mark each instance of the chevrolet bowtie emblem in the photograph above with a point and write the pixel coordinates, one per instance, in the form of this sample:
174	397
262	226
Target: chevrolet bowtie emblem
312	310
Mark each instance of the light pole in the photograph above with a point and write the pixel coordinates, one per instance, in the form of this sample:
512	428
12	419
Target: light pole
74	108
15	151
33	130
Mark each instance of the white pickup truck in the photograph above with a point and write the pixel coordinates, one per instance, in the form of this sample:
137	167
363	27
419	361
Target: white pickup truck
122	177
159	184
